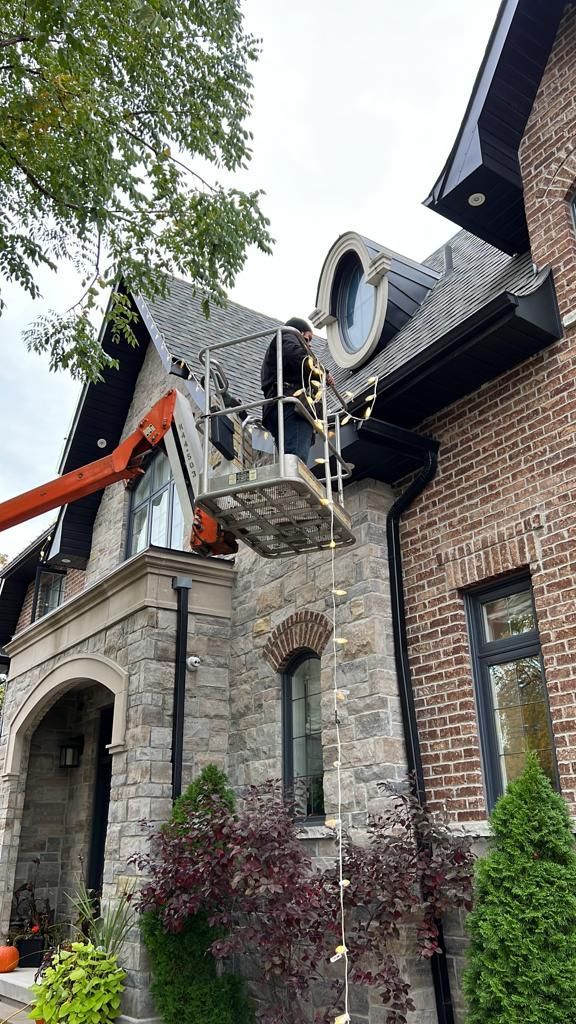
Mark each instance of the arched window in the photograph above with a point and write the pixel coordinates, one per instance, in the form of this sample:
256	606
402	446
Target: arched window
302	736
155	514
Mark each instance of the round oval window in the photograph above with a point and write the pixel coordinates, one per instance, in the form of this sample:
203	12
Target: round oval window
356	307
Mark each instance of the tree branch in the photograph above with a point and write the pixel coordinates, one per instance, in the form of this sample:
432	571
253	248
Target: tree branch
153	149
12	40
37	184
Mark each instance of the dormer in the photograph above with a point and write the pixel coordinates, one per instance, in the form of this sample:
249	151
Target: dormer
366	293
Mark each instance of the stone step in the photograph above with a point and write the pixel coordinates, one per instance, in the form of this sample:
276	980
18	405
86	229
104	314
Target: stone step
13	1012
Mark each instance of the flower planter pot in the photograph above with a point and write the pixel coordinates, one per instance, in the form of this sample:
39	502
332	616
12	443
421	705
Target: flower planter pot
31	951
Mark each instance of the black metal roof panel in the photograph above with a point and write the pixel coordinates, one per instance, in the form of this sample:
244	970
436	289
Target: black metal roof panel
484	158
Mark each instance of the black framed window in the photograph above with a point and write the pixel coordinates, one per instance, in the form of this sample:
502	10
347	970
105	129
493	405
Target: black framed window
155	514
48	592
302	736
511	688
573	211
356	305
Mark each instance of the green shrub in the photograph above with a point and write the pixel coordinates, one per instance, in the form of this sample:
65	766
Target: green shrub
522	956
211	783
185	985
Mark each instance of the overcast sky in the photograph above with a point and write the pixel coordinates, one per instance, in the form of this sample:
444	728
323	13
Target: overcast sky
356	108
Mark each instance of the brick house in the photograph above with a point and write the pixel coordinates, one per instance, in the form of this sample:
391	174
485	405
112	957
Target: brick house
460	606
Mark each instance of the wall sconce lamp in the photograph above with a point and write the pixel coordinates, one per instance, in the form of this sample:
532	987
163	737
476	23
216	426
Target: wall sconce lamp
71	751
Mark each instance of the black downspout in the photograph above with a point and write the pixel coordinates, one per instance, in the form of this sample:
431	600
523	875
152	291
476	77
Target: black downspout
181	584
438	964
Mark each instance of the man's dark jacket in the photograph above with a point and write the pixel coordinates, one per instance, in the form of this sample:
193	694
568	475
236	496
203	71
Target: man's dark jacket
294	351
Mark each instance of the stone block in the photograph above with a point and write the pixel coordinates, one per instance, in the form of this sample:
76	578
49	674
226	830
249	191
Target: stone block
373	723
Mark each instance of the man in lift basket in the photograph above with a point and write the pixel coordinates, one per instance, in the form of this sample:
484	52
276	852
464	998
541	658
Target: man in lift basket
298	432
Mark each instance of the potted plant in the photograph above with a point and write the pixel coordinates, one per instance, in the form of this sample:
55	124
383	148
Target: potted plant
31	921
81	983
31	945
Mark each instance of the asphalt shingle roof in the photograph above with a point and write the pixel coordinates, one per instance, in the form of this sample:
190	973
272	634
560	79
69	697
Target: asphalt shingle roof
182	324
480	274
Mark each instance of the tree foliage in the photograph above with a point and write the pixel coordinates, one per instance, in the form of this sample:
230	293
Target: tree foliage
251	874
108	114
522	956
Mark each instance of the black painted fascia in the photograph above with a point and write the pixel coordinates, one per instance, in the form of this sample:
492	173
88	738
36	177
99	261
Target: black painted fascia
470	167
535	316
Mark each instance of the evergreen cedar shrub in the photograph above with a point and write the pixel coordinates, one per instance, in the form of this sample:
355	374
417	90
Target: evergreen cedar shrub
250	874
522	955
185	985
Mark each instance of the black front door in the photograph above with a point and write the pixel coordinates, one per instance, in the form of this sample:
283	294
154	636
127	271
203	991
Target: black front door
101	801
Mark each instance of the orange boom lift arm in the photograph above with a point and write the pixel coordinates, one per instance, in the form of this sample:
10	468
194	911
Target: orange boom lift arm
124	463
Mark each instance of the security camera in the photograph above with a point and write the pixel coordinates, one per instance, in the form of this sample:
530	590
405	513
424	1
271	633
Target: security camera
193	662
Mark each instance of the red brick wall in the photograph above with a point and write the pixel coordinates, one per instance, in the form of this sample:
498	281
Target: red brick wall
73	584
301	631
26	610
505	494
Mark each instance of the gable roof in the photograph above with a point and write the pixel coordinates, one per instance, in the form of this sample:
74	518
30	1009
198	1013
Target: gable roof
15	578
484	157
181	324
491	311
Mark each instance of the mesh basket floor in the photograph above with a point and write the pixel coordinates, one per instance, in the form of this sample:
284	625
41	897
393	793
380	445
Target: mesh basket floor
276	516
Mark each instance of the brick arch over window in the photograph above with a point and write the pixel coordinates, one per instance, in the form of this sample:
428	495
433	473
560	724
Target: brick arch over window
301	631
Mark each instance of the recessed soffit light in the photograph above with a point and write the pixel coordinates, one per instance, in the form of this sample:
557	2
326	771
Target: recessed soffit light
476	199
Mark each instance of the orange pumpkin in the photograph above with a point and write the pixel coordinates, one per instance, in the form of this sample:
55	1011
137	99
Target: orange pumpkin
8	959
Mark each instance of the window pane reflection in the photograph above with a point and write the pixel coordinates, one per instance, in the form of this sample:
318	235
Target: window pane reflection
156	513
509	616
521	716
305	739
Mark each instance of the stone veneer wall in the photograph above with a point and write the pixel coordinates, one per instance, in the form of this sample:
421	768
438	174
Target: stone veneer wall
281	607
267	595
111	525
129	619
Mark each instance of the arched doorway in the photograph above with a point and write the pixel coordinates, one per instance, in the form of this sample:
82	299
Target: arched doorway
61	741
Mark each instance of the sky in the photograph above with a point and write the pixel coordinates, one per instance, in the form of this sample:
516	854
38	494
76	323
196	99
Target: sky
356	108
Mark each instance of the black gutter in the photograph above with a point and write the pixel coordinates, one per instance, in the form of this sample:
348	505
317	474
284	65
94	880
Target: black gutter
181	584
438	964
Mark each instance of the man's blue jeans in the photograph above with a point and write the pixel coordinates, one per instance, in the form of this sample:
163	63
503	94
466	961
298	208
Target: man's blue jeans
298	433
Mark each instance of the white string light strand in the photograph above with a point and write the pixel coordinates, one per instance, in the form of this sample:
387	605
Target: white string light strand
341	951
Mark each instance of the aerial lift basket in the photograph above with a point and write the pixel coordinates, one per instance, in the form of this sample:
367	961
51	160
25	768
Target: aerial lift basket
279	509
277	515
